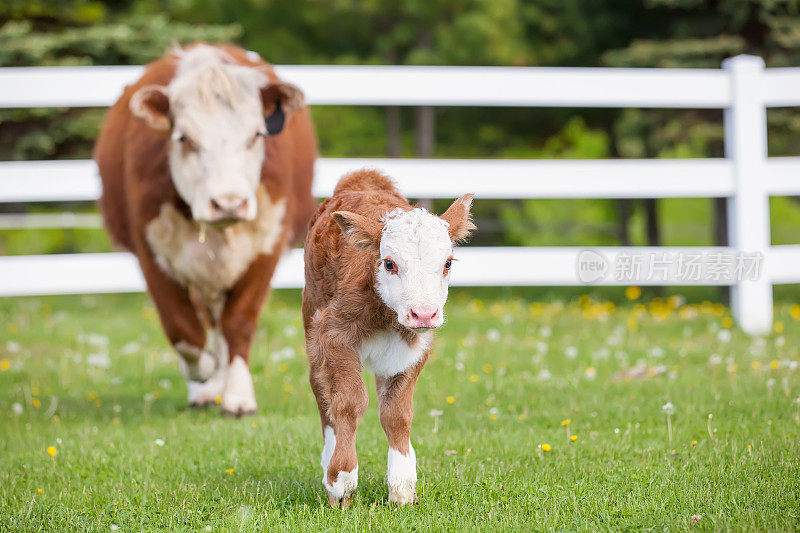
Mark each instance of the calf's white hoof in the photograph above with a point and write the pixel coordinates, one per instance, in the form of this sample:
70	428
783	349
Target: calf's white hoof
340	493
239	397
401	476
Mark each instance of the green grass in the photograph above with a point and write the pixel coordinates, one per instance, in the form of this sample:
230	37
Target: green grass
515	369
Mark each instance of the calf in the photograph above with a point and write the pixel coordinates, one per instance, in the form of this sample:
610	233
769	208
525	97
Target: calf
377	274
206	163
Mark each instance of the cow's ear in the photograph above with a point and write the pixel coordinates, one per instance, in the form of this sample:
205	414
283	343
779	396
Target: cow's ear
359	230
459	217
280	100
151	104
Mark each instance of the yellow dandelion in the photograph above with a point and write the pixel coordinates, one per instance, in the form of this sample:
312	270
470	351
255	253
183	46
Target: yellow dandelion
566	422
694	443
487	369
473	378
230	470
633	293
523	416
492	417
756	365
778	327
774	364
451	399
5	364
36	402
39	491
218	400
546	447
749	447
51	451
794	311
573	438
254	425
283	367
727	322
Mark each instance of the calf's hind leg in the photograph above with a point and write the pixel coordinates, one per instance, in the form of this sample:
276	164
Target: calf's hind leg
395	405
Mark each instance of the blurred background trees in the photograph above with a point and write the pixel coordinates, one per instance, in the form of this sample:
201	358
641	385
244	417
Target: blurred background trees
621	33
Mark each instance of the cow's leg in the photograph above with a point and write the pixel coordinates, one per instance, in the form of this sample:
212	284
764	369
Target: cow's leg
183	327
395	404
239	320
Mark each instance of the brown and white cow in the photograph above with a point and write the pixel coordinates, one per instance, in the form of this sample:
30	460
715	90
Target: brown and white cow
377	275
206	163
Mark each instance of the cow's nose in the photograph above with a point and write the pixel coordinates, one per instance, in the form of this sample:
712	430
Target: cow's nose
228	207
423	317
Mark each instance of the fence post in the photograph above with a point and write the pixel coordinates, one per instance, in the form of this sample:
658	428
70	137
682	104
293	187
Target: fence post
748	208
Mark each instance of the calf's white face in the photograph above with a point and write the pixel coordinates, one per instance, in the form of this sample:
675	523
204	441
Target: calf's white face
413	276
215	112
415	255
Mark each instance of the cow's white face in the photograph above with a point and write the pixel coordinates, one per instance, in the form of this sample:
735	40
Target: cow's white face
214	110
414	252
413	276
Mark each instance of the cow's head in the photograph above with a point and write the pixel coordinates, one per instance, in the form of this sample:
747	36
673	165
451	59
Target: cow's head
414	251
217	114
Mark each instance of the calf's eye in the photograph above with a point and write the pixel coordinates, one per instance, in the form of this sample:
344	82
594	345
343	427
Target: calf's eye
389	265
448	264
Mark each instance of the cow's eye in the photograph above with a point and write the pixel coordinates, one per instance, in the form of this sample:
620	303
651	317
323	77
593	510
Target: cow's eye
186	142
258	135
448	264
389	265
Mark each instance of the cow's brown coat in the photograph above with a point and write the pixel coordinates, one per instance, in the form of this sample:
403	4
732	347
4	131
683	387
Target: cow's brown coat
137	184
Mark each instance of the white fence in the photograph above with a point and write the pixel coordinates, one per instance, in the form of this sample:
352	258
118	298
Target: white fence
747	177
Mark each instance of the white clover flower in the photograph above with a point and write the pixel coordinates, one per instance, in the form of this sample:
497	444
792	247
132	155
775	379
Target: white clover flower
571	352
724	336
159	442
493	335
668	408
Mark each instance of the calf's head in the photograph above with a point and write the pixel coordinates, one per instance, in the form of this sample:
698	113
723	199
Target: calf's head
413	252
217	114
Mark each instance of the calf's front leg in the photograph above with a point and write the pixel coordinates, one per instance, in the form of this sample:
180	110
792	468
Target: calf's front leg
395	405
342	399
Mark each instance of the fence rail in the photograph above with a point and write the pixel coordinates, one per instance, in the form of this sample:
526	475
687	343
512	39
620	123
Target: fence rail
743	88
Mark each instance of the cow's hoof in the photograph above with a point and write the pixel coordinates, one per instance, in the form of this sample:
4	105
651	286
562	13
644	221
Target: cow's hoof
207	393
403	497
239	398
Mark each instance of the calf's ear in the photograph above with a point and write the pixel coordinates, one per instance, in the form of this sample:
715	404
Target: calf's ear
280	100
359	230
459	217
151	104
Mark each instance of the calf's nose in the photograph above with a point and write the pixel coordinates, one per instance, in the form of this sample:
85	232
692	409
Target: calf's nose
228	207
423	317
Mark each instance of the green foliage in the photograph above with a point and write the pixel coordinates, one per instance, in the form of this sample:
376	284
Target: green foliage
559	222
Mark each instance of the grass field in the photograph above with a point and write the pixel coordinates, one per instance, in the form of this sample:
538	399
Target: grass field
95	433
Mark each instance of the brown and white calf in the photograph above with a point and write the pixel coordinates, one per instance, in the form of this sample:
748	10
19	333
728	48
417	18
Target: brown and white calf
377	275
206	163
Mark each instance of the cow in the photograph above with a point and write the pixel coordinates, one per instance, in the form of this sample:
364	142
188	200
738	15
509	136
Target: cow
377	272
206	165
